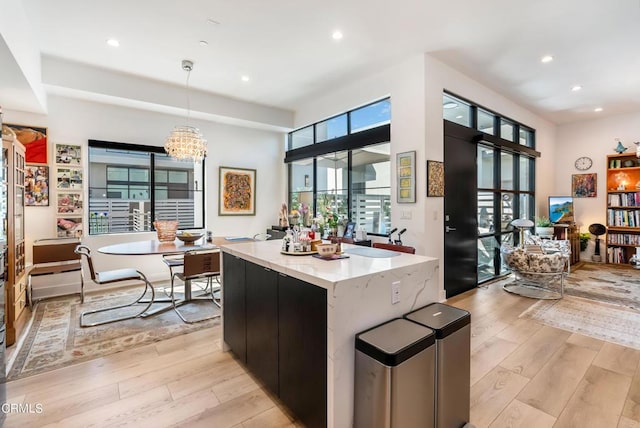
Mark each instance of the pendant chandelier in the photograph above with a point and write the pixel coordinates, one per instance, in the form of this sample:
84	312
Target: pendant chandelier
186	142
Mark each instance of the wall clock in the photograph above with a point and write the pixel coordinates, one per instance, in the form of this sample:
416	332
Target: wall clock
583	163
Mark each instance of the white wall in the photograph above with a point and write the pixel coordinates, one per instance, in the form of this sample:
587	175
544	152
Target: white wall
595	139
73	121
416	87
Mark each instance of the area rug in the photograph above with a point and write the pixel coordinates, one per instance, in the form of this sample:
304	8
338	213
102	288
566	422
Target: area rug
600	301
56	340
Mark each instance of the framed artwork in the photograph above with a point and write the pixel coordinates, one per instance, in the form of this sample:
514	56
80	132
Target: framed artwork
68	154
69	203
237	195
34	139
584	185
36	186
69	179
69	227
349	230
406	164
435	178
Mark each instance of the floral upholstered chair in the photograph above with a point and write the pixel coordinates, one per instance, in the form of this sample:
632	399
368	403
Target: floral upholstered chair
537	274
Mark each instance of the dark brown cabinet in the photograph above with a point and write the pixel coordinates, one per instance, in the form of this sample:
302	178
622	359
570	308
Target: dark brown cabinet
234	307
302	327
262	324
277	326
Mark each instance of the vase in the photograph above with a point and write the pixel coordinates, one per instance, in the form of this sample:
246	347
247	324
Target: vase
333	231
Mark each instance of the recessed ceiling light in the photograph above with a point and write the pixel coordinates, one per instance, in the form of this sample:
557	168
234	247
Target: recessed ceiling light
546	59
337	35
113	42
576	88
203	43
598	109
450	104
245	78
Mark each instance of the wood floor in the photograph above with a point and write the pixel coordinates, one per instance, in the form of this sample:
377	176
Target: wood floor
523	374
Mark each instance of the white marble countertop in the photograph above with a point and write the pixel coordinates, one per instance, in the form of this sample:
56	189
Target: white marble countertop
324	273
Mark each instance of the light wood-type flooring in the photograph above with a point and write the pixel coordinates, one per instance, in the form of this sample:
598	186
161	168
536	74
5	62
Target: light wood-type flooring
523	374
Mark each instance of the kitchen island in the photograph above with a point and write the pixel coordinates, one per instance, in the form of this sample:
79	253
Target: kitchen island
292	320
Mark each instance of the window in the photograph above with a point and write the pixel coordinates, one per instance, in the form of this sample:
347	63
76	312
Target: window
505	178
124	196
354	183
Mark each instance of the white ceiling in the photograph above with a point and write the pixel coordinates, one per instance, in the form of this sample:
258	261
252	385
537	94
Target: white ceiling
286	48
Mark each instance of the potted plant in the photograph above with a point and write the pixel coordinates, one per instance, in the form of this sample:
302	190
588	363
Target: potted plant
584	240
544	227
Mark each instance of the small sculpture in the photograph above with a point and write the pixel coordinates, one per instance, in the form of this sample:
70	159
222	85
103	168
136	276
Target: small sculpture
620	148
283	216
637	143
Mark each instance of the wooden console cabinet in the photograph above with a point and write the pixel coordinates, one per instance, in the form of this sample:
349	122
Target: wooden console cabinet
571	233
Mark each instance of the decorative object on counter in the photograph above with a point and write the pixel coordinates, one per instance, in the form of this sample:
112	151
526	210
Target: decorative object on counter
331	219
189	238
186	142
584	185
637	143
326	250
406	166
34	140
294	217
331	257
283	219
209	236
620	148
237	191
349	230
166	230
435	178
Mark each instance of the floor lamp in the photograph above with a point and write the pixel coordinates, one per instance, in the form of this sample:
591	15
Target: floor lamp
522	224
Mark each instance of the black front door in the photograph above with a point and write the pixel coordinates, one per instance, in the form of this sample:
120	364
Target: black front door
460	208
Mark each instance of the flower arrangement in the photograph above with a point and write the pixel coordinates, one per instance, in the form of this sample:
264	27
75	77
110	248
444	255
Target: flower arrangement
332	219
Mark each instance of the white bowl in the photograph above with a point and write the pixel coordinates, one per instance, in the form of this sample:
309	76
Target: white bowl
326	250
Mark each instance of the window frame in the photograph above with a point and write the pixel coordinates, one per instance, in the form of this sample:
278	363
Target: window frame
347	143
151	151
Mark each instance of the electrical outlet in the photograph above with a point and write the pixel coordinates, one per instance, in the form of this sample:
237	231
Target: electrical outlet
406	215
395	292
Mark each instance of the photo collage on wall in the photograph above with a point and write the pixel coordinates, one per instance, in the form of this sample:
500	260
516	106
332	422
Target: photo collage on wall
68	179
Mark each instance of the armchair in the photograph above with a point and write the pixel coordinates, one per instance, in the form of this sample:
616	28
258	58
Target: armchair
537	275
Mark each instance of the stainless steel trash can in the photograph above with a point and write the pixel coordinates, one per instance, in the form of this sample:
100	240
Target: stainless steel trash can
395	375
452	327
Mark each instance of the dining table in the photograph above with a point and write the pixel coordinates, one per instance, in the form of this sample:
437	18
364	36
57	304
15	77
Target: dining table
177	247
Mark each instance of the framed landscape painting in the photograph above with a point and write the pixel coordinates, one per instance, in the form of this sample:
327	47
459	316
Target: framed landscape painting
237	195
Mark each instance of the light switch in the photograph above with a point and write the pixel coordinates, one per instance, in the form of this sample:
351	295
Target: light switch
395	292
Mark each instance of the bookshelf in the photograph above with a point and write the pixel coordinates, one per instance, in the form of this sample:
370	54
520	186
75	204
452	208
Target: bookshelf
623	207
